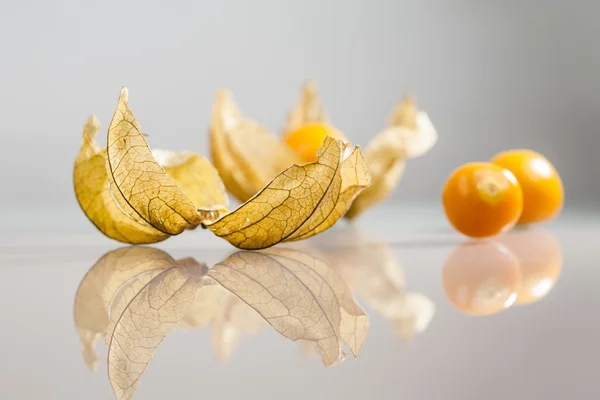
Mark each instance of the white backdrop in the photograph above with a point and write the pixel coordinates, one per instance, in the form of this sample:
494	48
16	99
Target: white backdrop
491	75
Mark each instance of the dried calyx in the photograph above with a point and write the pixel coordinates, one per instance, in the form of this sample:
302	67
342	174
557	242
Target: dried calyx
130	197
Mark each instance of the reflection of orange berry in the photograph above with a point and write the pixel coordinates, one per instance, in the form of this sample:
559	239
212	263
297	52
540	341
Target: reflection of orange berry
481	278
308	139
482	199
540	258
542	187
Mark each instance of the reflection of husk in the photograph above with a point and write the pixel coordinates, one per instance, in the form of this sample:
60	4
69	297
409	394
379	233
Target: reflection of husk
205	308
298	295
228	316
228	326
136	296
371	269
119	275
102	282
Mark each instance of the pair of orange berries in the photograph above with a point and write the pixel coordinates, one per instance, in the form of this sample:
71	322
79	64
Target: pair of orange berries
480	199
515	187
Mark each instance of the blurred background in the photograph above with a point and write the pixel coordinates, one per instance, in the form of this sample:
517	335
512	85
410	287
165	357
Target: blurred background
491	76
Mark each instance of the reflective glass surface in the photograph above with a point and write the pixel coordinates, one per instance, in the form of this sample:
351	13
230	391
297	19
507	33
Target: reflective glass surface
444	317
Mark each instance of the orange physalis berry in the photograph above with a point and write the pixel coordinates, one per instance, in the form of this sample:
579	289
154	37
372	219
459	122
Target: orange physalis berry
482	199
308	139
542	187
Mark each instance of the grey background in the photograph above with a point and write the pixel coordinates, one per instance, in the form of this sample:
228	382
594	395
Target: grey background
491	75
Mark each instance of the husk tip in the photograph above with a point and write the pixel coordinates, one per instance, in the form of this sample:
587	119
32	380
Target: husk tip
124	95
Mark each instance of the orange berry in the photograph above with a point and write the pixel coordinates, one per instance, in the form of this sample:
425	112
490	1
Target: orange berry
543	193
481	278
482	199
308	139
